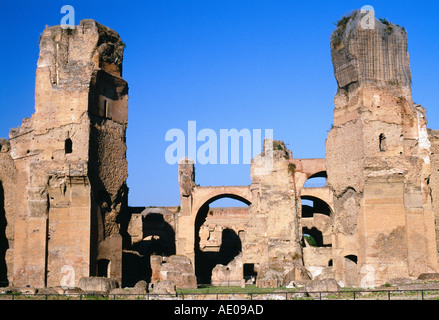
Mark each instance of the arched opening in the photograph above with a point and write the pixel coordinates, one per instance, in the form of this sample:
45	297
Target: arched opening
104	268
3	240
313	237
317	180
68	146
218	237
352	258
311	205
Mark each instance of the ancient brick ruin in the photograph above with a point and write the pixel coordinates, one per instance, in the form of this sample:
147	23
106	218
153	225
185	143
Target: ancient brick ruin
64	197
63	192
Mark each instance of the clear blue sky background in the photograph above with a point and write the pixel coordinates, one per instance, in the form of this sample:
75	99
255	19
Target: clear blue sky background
255	64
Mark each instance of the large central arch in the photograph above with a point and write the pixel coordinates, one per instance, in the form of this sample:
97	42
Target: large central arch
194	211
230	243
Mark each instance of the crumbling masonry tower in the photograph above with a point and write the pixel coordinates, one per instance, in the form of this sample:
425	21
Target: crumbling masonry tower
378	156
70	163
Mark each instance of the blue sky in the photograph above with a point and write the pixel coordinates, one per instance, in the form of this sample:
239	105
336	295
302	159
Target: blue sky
244	64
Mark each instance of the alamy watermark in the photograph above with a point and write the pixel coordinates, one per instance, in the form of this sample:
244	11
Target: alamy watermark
68	20
368	20
222	148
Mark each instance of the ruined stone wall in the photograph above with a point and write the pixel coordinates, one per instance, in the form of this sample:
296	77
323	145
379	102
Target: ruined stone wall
108	166
178	269
58	165
185	234
272	240
377	157
433	136
8	180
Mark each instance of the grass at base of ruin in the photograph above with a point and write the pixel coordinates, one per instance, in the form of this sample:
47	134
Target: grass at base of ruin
234	289
249	289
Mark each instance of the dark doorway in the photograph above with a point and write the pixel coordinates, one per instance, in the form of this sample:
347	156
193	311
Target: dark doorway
103	265
68	146
249	273
230	246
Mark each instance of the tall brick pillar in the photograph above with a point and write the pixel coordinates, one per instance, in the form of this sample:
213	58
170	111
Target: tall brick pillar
378	158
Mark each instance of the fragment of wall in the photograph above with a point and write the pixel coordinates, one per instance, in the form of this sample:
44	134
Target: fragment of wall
8	180
434	178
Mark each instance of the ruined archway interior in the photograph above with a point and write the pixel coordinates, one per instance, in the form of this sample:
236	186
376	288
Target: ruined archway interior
317	239
315	222
313	205
153	235
219	233
314	237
